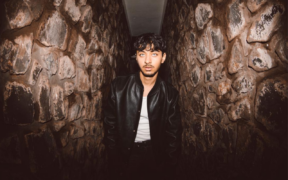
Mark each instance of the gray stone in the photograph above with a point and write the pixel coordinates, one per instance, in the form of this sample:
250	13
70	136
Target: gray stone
96	32
77	46
93	46
210	72
38	144
240	110
244	83
86	18
10	150
58	125
36	7
211	101
97	78
225	93
22	58
57	2
81	2
190	40
271	104
76	108
203	13
7	50
202	49
266	24
82	82
216	42
185	68
89	59
51	61
254	5
219	117
18	14
282	49
54	31
86	107
44	99
72	10
66	68
195	75
260	59
57	103
236	18
18	104
199	102
191	57
68	88
235	62
34	73
220	71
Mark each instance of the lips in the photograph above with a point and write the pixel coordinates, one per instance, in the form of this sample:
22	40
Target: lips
148	68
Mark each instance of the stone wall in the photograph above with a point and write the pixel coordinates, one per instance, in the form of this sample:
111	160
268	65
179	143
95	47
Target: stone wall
228	59
57	58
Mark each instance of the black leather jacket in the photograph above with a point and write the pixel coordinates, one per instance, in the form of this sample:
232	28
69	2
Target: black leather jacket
122	114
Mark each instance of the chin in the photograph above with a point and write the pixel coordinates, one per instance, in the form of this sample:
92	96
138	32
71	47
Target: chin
149	74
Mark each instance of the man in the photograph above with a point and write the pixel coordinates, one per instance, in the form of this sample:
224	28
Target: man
142	119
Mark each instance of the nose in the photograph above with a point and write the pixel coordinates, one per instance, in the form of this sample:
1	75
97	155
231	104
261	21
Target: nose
148	60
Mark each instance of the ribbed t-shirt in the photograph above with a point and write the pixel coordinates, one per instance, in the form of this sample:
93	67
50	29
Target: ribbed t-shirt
143	131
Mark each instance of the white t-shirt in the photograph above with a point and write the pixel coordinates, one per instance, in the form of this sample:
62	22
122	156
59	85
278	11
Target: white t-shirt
143	131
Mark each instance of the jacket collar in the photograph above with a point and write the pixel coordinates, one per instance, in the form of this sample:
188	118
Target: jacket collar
156	86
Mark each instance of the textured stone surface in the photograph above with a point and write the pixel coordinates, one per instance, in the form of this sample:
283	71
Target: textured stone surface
210	72
66	68
241	110
57	2
244	83
57	102
203	13
77	46
254	5
266	24
86	18
282	49
219	117
42	143
190	40
96	104
260	59
34	73
76	130
58	125
18	104
76	107
7	49
271	104
44	99
195	75
211	101
72	10
220	71
68	88
18	14
10	150
216	42
51	62
54	31
82	80
236	61
97	78
236	18
225	93
96	32
202	49
22	57
199	102
36	7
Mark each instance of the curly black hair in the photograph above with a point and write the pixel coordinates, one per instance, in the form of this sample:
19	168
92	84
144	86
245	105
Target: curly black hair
150	39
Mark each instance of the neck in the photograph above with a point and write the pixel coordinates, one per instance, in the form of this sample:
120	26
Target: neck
148	81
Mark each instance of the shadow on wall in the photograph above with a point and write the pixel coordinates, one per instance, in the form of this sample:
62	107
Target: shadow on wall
228	59
57	59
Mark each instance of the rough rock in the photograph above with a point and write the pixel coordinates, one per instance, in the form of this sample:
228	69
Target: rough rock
199	102
64	138
211	101
225	93
22	57
266	24
190	40
202	49
260	59
215	42
282	49
271	104
7	51
18	104
86	18
254	5
195	75
72	10
76	130
244	83
210	72
76	108
51	61
89	59
58	125
236	18
34	73
236	61
10	152
66	68
220	71
77	46
96	32
203	13
191	57
219	117
57	102
86	107
36	7
96	107
93	46
18	14
82	82
57	2
54	31
44	99
240	110
97	78
38	144
68	88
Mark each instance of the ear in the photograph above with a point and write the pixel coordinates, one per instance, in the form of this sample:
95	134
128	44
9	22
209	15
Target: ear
163	58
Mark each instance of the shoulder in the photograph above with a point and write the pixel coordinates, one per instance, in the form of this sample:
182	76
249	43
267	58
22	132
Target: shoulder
170	90
121	80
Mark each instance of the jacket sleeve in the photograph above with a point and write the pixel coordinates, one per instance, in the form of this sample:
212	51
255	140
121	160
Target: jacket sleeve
173	133
110	122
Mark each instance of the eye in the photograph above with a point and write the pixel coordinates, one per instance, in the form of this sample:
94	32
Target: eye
141	55
154	54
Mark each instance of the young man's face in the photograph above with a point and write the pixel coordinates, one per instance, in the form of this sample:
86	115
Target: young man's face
150	60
